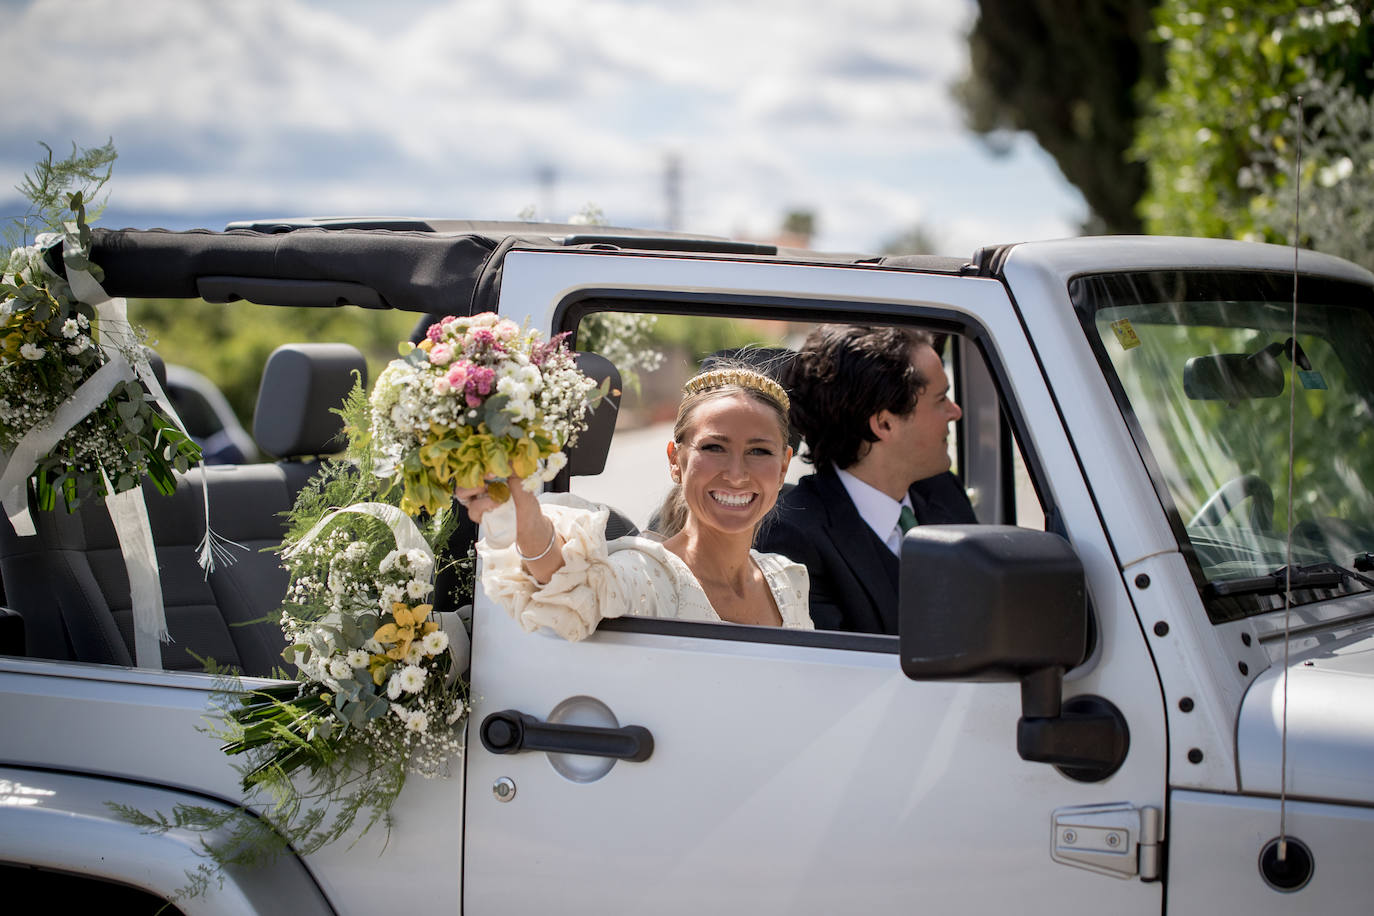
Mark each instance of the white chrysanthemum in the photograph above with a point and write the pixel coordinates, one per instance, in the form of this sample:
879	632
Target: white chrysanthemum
418	588
357	658
372	647
69	328
415	654
393	687
391	594
419	561
31	351
435	642
417	722
340	668
412	678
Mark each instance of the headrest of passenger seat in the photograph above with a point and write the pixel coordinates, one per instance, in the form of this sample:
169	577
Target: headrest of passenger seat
588	457
302	384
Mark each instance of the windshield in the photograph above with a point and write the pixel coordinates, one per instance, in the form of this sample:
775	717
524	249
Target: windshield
1204	364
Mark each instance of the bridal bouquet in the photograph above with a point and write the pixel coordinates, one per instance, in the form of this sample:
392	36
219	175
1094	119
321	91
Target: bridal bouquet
479	398
73	417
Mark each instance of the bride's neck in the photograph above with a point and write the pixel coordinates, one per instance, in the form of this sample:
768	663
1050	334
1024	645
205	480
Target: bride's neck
714	556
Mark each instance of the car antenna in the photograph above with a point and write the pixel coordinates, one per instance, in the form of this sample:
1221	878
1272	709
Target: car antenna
1282	850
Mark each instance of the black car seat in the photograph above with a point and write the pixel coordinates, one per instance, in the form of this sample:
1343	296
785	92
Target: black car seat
69	582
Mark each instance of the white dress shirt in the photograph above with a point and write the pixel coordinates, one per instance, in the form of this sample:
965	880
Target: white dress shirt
878	510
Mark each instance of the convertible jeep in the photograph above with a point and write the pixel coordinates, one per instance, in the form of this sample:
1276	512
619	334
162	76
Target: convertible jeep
1144	683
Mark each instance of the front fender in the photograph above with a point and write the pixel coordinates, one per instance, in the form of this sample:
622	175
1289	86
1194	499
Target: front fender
63	822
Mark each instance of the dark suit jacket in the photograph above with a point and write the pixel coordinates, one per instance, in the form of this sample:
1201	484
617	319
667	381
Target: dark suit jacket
853	574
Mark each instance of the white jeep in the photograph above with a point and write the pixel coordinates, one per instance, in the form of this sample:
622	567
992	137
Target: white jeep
1097	700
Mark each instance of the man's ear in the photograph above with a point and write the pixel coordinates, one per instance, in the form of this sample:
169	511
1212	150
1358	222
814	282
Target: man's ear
881	424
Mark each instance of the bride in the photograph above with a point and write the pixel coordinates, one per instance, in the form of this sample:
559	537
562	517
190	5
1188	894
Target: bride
547	561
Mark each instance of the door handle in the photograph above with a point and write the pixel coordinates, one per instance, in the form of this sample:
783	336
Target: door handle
511	732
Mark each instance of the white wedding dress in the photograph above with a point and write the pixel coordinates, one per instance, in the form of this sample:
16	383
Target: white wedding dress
600	579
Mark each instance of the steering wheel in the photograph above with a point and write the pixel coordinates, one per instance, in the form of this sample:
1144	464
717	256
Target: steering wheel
1231	494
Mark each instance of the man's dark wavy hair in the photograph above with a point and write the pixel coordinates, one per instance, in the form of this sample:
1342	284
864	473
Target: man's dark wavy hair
841	377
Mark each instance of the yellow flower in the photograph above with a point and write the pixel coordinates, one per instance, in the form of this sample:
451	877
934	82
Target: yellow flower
410	625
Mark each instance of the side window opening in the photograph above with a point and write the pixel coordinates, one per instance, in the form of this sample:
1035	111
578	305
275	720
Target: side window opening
656	353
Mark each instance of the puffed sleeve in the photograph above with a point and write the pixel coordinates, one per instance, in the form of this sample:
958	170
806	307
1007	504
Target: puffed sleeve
594	583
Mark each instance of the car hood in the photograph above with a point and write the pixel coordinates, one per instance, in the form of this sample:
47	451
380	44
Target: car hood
1330	725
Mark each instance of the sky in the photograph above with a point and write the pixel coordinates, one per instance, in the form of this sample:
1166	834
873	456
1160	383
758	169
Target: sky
502	109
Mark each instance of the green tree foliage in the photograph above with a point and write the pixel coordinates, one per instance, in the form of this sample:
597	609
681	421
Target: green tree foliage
1337	193
1231	72
1067	72
230	343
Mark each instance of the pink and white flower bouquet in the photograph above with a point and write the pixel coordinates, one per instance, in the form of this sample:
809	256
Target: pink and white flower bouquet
479	399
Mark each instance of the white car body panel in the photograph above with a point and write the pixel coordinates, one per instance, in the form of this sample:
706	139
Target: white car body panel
745	733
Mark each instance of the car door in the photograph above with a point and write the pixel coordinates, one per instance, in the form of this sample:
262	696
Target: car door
794	772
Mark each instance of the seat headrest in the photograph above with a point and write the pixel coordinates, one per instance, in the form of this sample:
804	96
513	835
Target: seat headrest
302	384
588	457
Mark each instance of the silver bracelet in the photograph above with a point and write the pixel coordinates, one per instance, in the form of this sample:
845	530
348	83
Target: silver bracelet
553	536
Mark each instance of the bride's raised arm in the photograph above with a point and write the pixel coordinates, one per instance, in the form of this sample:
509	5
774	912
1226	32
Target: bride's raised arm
537	543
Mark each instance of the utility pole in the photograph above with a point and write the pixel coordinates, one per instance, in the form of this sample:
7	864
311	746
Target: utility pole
672	191
547	176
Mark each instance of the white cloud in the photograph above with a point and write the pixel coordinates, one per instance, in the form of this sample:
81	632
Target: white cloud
452	108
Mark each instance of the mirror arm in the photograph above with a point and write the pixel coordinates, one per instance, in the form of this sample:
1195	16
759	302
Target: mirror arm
1085	737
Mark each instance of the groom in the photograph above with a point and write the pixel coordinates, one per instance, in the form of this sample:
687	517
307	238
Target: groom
874	408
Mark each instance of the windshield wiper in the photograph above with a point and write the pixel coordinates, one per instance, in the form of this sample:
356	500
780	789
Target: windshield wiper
1317	575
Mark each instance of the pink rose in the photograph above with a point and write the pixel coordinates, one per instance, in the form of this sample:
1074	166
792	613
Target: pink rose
458	375
440	354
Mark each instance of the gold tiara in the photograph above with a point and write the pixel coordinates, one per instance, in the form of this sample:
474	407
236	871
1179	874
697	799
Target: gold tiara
744	378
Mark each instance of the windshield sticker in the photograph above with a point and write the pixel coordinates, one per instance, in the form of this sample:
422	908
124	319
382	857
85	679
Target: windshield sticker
1125	334
1311	380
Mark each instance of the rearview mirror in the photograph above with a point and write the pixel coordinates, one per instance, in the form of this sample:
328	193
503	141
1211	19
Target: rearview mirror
1233	377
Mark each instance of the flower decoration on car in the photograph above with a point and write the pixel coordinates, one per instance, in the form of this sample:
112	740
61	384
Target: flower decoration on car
74	418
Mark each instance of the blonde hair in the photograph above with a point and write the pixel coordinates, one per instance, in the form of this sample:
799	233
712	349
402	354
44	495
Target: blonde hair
701	389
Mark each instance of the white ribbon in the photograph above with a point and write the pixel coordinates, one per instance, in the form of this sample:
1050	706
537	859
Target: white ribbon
129	515
40	440
403	529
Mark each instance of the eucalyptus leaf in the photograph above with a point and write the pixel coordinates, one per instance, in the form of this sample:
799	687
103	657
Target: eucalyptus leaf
374	705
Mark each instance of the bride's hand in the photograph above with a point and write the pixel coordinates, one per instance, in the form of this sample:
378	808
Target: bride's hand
476	500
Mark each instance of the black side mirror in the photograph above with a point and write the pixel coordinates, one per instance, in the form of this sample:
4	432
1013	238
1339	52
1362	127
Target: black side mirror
999	603
989	603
